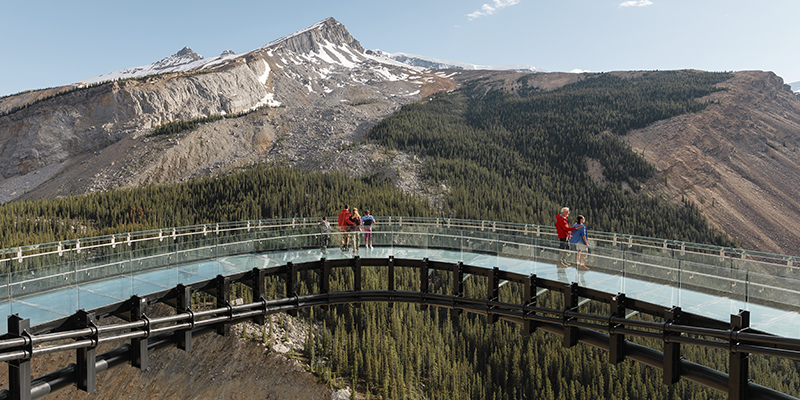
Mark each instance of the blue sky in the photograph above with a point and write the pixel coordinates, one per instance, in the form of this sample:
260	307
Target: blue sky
52	43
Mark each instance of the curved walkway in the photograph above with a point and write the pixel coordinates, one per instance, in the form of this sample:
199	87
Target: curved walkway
58	303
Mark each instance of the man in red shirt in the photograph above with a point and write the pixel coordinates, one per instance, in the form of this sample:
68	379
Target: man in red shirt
564	232
344	221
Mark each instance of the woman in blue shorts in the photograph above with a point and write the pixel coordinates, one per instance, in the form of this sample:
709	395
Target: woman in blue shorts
581	242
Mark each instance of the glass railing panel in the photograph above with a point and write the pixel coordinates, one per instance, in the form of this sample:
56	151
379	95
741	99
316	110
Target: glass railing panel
233	244
781	292
445	238
41	279
5	281
715	281
195	248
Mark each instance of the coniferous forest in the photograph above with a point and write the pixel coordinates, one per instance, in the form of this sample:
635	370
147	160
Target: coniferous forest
510	157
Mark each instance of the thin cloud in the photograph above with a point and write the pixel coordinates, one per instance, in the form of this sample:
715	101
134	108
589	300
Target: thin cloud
489	9
636	3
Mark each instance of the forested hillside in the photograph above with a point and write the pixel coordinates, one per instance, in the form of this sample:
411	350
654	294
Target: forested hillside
522	157
261	192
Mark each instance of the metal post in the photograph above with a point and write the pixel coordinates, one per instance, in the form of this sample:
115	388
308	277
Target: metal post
139	356
85	364
616	344
325	285
494	293
739	370
423	281
570	304
19	371
183	304
357	273
222	300
672	350
529	299
291	283
458	291
357	277
259	291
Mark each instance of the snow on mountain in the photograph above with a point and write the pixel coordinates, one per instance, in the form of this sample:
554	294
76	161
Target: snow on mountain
332	50
795	86
430	62
182	61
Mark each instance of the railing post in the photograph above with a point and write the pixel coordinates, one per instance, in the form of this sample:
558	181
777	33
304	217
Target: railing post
222	300
616	344
672	350
739	369
423	281
325	281
291	283
183	304
139	356
357	273
391	284
570	304
458	291
85	357
259	291
19	371
529	299
494	293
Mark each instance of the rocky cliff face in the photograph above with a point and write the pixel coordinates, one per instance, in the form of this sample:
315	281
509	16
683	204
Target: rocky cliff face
738	160
314	93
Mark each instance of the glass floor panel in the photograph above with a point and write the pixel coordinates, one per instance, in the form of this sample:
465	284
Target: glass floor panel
54	304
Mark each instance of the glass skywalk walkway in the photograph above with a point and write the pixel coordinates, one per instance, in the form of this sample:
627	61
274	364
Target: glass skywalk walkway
47	282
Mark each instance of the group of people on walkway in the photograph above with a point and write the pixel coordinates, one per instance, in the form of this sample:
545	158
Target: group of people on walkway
351	224
576	235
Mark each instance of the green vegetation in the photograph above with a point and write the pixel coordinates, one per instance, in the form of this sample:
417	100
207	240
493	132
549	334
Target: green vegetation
258	193
521	158
174	127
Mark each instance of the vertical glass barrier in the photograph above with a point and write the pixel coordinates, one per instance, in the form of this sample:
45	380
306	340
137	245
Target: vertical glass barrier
515	252
775	291
712	290
39	273
609	261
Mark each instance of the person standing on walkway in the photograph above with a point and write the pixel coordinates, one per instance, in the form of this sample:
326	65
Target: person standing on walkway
367	220
581	242
344	224
355	228
325	234
564	231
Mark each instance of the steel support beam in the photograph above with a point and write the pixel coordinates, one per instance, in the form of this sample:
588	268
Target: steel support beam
222	299
259	291
570	304
739	370
529	299
291	283
616	341
85	357
493	293
19	371
139	356
183	304
391	283
672	350
423	281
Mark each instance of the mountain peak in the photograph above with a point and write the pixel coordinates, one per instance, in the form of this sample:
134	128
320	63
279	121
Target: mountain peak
315	36
184	56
